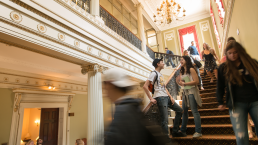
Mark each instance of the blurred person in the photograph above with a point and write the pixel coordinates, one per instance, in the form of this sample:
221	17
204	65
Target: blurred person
127	127
188	79
31	142
239	76
163	98
169	57
193	51
250	121
210	58
197	69
39	141
79	142
223	59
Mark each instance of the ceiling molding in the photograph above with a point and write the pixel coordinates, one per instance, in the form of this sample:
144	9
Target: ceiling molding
186	21
149	19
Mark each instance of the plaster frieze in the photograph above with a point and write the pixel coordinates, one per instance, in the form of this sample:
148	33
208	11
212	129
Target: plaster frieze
61	37
12	80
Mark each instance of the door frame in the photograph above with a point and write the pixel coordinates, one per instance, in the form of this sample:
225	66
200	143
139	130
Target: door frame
53	100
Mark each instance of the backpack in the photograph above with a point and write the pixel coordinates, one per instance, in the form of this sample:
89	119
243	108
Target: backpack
151	86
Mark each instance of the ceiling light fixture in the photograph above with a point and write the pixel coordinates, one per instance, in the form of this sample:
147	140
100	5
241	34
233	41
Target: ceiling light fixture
168	12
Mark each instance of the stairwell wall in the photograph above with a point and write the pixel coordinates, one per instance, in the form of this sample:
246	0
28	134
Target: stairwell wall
244	18
203	35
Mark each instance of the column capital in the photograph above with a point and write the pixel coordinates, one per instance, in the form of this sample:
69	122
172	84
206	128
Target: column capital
138	4
93	67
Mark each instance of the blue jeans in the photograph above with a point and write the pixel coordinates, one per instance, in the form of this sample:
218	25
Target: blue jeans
239	119
196	114
199	76
170	60
163	104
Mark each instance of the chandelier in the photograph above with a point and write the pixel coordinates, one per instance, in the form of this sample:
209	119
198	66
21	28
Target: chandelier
168	12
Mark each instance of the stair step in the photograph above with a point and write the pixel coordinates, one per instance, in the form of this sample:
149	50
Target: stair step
221	119
210	112
210	140
205	95
211	129
210	99
208	90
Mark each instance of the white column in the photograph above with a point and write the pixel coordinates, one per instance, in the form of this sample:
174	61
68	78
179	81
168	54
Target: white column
160	42
141	26
95	105
94	7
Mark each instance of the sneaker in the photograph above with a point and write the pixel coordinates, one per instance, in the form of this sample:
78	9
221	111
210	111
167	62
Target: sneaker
184	134
179	134
196	135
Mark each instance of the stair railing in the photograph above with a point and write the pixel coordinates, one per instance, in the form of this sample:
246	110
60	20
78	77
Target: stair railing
168	59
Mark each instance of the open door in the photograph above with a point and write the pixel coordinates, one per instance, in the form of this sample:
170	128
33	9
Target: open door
49	126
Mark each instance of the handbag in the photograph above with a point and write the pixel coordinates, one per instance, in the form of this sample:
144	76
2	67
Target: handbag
197	63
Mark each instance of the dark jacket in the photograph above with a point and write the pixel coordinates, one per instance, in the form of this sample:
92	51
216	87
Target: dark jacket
127	127
222	83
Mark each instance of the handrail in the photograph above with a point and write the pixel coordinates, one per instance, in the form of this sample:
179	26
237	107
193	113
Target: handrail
167	54
146	109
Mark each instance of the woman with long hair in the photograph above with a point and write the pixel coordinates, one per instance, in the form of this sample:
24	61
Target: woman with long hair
186	53
223	59
239	75
250	121
188	79
210	62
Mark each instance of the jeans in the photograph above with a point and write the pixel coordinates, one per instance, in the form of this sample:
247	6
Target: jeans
239	118
170	60
163	104
200	78
196	114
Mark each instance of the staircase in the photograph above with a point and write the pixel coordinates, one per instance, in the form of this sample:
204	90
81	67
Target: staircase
216	125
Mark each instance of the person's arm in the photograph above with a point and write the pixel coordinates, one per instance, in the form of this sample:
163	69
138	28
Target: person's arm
195	78
189	48
171	98
214	53
220	85
145	88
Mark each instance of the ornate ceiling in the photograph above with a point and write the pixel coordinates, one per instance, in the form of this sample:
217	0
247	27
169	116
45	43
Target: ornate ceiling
195	10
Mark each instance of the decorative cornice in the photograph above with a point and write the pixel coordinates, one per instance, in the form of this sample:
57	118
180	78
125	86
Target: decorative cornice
58	40
31	91
89	18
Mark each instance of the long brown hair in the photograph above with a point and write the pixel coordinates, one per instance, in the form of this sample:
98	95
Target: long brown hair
231	71
184	52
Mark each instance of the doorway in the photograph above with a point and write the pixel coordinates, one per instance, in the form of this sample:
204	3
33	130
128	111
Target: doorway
40	123
49	126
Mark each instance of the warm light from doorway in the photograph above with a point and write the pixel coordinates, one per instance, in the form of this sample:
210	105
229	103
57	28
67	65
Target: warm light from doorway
37	122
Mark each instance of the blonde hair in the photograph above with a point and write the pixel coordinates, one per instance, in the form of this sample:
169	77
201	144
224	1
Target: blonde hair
184	52
31	141
207	46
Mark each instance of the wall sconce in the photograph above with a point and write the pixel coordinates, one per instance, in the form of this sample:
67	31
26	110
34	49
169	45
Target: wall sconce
37	122
51	87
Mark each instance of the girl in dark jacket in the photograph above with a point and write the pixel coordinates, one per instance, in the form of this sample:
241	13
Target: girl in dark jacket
239	75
